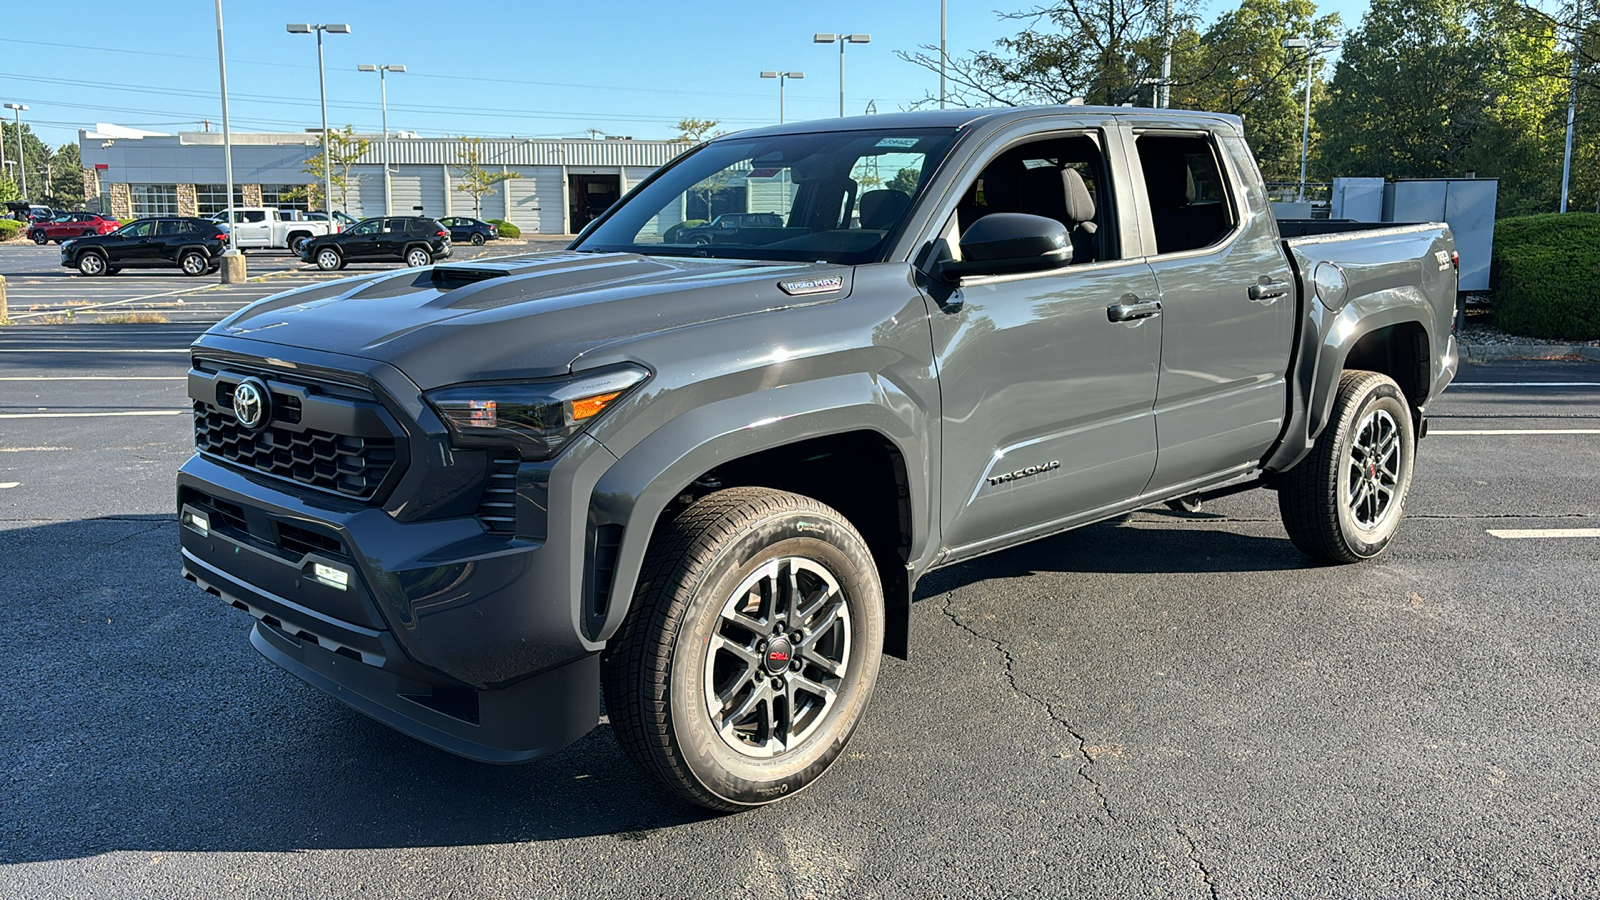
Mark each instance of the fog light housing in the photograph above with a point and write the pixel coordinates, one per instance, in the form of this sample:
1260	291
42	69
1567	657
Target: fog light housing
328	575
198	521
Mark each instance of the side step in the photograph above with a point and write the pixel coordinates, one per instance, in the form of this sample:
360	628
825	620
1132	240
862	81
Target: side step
1192	503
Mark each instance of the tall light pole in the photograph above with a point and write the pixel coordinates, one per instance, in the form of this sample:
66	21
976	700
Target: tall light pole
841	39
782	77
22	166
1165	100
1312	48
227	138
383	90
322	83
1572	108
944	53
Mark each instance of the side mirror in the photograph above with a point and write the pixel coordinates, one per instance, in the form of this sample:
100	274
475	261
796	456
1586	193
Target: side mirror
1006	243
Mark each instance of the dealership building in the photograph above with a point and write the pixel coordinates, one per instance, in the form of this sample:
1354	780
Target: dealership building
560	185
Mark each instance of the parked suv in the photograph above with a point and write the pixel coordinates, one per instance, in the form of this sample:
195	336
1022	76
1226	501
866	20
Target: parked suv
191	244
70	225
414	240
726	228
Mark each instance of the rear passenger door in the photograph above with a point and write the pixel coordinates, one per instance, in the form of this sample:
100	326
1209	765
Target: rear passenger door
1227	298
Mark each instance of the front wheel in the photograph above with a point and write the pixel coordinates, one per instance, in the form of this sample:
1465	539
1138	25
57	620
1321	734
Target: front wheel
752	649
1344	501
92	264
417	257
328	259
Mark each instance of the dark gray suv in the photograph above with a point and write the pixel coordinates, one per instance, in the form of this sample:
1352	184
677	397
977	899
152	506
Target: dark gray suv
413	240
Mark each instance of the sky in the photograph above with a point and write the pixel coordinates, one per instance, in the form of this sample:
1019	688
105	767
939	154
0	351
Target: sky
529	69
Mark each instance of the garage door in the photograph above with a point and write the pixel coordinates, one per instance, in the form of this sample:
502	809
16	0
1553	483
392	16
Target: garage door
418	188
367	193
536	200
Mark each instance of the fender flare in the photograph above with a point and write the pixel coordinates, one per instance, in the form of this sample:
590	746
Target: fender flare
648	476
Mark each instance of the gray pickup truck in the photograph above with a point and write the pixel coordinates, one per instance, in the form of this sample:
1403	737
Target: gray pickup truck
702	481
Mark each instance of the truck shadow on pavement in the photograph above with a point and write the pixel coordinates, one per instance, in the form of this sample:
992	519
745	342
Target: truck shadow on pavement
139	718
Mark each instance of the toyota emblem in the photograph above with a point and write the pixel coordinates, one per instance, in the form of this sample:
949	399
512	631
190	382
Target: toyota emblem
250	403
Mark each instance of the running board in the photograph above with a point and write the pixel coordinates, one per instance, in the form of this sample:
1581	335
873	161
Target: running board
1193	502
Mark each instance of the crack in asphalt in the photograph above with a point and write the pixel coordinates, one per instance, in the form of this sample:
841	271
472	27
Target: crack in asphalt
128	537
1049	708
1194	857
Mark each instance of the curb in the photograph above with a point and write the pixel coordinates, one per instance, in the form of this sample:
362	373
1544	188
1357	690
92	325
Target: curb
1487	353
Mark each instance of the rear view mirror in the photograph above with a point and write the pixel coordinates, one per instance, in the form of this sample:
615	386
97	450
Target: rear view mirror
1006	243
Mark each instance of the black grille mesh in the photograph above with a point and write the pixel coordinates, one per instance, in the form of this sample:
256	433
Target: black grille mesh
497	510
351	466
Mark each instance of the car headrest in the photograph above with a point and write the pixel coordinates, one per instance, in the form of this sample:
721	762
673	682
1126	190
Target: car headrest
1080	204
880	209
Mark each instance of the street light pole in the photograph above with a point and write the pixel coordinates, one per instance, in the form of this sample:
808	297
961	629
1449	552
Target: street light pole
383	91
1572	108
227	136
322	84
1312	48
842	39
782	77
22	165
944	53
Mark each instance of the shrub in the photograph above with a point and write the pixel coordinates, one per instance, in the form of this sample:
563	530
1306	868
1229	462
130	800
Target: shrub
507	230
1543	273
671	234
10	228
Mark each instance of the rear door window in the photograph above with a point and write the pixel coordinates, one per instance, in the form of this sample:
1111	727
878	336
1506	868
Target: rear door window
1190	204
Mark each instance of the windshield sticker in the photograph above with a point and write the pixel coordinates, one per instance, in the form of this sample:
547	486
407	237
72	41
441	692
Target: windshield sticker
898	142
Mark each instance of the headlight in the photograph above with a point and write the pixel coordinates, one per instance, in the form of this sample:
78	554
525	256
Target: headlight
539	418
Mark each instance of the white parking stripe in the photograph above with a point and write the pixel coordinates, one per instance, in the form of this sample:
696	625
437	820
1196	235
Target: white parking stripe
1525	384
98	415
1515	534
94	378
1434	431
93	350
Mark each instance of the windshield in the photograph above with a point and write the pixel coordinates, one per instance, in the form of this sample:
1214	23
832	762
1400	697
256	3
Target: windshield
835	197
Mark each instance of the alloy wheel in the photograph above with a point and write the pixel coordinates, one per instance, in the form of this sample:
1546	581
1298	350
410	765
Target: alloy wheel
1374	469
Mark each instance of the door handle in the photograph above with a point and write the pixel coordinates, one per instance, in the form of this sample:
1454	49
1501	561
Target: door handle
1268	292
1131	308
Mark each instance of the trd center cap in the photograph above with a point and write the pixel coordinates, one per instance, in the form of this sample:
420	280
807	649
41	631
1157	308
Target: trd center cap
779	654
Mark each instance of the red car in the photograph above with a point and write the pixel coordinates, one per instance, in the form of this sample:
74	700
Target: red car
72	225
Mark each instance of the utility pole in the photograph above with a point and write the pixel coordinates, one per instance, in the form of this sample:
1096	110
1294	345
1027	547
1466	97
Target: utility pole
1572	106
944	52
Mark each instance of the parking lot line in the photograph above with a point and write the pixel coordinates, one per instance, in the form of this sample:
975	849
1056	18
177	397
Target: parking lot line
95	306
94	378
1459	384
1441	431
1514	534
101	350
99	415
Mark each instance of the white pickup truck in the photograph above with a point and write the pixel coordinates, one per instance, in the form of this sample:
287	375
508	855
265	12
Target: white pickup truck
261	228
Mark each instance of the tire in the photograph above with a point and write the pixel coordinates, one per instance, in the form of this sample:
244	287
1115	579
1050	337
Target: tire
700	240
1344	501
92	264
87	232
328	259
193	263
298	243
40	238
692	640
417	257
477	239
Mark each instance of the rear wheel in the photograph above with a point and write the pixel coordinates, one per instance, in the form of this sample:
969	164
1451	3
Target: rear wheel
329	259
91	263
193	263
477	239
1344	501
87	232
298	243
752	649
418	256
40	238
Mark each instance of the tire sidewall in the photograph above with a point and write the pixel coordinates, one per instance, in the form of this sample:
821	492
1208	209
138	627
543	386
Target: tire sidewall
1366	543
749	781
325	253
97	268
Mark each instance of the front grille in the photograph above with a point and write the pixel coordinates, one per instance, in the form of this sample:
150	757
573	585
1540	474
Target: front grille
352	466
277	536
300	541
497	510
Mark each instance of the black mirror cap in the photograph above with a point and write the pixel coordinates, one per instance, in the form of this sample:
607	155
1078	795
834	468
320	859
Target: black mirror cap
1011	242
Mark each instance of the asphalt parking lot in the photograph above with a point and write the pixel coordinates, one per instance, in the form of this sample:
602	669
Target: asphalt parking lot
1169	705
40	290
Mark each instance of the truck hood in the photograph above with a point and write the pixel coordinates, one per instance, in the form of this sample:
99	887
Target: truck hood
523	317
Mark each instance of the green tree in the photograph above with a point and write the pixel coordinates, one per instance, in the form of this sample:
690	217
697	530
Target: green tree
472	178
693	131
66	176
1102	51
905	181
35	155
344	151
1239	65
8	191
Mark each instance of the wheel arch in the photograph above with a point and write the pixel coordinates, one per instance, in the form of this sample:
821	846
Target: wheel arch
856	459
